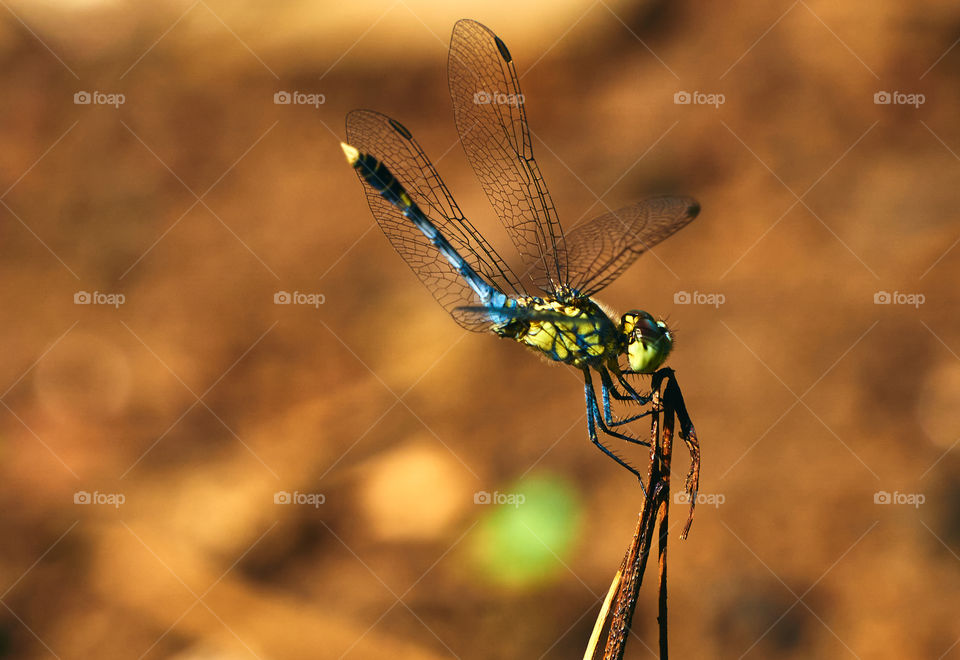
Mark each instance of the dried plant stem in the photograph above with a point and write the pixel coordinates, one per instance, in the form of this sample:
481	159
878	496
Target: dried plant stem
653	516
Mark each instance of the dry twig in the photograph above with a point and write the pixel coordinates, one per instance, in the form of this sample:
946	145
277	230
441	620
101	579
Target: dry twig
621	600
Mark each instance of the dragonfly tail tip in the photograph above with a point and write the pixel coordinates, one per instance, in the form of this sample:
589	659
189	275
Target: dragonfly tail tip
351	153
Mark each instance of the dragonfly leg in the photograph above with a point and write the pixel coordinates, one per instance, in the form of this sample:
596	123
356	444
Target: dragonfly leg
592	430
593	409
608	414
606	389
642	400
608	384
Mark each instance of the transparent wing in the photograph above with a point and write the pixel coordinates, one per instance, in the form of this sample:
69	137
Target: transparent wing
492	122
600	249
391	143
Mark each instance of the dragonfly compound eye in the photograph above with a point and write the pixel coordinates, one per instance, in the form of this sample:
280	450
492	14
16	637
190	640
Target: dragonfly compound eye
648	341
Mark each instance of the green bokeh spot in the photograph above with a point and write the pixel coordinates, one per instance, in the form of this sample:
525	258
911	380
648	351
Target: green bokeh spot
520	542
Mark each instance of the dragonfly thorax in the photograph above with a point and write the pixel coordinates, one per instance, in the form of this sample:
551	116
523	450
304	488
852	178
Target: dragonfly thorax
648	341
573	331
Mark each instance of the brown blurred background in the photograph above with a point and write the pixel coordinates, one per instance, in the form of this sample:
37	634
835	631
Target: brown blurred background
181	412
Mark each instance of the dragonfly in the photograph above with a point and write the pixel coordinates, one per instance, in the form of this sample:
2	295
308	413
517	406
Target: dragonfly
550	308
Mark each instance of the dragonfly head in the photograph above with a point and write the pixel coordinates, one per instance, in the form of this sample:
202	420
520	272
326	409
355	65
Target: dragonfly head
648	341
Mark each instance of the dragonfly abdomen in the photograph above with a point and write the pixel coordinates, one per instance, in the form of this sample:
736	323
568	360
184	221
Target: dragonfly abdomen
382	180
